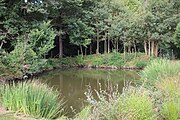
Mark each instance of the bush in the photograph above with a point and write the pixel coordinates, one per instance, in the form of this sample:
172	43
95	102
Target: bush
158	69
31	98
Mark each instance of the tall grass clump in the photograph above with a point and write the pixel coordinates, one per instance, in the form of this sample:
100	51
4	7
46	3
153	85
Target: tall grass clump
132	104
158	69
171	110
32	98
84	114
169	87
135	104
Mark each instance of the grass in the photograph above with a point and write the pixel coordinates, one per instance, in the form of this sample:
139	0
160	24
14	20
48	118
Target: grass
133	104
32	98
111	59
159	69
169	87
171	110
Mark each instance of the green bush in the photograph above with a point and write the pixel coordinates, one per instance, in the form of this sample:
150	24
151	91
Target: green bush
31	98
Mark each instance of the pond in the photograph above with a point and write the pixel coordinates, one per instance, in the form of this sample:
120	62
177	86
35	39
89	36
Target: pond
73	83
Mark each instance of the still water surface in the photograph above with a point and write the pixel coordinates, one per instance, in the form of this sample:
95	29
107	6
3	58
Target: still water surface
72	83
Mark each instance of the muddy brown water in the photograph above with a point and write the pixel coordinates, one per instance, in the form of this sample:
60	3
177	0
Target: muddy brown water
73	83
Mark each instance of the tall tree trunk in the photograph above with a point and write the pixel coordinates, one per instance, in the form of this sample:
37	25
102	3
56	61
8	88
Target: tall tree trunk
145	47
2	42
117	45
129	49
105	46
85	51
135	50
81	49
108	43
152	48
90	49
156	48
124	50
60	47
97	48
149	48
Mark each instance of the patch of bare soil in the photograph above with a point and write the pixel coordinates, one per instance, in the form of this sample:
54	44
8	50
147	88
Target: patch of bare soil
2	111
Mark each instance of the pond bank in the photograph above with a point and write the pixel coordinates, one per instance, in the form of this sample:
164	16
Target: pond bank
112	61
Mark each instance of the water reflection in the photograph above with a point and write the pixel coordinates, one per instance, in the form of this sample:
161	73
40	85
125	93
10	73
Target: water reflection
72	83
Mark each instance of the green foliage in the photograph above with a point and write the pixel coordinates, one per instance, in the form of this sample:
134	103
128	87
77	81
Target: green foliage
177	36
158	69
31	98
41	39
29	49
83	114
80	33
141	64
170	110
21	55
132	104
135	104
169	87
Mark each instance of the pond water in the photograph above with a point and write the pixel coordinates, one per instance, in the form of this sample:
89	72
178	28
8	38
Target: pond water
73	83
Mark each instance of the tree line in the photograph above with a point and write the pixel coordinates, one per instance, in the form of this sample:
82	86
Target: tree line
120	25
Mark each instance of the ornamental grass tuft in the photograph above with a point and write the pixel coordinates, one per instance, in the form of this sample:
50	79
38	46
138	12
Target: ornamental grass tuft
32	98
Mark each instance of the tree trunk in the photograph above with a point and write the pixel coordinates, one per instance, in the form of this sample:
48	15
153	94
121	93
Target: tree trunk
108	43
124	51
152	48
2	42
145	47
85	51
135	50
81	49
149	48
105	46
129	49
156	49
90	49
97	49
117	46
60	47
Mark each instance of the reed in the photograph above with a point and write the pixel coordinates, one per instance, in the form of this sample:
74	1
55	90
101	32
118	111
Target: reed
158	69
32	98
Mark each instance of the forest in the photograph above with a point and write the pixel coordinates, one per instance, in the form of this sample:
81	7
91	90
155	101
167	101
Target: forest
35	29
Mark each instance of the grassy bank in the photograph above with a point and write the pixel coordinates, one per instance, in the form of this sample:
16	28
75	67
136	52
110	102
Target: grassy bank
103	60
112	60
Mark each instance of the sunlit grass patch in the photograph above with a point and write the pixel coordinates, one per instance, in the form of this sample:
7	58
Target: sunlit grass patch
158	69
